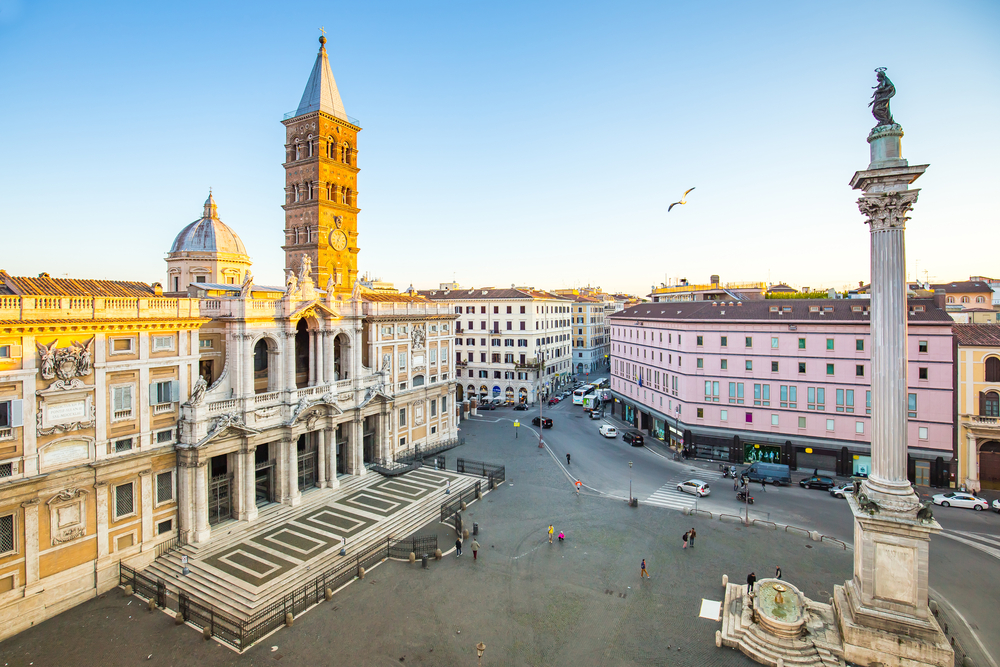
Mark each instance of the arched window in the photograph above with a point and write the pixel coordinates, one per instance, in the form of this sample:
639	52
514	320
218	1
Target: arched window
980	299
990	404
993	369
965	299
950	299
418	380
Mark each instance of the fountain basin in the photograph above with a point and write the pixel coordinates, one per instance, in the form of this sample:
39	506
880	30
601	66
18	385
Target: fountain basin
778	607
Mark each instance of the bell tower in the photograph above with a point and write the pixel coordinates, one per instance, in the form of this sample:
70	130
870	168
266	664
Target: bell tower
321	174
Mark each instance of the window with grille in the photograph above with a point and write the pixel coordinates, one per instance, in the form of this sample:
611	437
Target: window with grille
123	445
165	487
6	533
165	436
6	469
164	526
124	500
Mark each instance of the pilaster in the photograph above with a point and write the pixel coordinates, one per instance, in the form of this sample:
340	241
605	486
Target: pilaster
291	453
146	506
185	502
321	458
30	545
247	490
101	498
331	441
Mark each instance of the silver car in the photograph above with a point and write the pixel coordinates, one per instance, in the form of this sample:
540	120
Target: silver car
841	490
695	487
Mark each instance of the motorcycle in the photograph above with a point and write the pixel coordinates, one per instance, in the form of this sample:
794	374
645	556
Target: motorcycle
742	497
725	472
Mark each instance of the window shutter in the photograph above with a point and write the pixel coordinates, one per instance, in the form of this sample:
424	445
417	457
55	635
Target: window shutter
116	399
982	403
127	398
16	413
175	391
15	351
153	397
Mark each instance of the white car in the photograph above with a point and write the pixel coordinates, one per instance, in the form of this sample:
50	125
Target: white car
959	499
841	490
695	487
996	506
608	431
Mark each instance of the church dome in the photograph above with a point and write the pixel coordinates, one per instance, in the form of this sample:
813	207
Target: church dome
209	234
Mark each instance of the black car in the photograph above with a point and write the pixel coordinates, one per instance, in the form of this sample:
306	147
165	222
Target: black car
633	437
487	406
545	422
521	406
817	482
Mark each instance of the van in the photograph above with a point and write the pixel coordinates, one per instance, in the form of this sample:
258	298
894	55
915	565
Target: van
773	473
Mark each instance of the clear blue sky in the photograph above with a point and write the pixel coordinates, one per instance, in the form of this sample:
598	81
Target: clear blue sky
504	142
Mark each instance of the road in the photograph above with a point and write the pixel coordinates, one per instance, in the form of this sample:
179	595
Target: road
964	559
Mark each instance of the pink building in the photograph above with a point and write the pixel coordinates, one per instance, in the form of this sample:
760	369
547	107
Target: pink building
786	381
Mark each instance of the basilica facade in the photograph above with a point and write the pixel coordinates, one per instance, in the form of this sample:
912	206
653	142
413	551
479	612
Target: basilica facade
134	417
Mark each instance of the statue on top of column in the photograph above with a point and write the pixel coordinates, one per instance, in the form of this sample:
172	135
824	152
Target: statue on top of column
880	99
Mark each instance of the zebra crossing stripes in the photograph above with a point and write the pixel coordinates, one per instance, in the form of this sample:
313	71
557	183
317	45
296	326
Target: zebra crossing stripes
985	542
668	495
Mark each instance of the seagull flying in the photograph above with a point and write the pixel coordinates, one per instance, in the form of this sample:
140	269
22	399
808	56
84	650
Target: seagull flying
682	201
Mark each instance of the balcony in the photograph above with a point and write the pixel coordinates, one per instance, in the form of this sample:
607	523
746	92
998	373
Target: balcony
989	425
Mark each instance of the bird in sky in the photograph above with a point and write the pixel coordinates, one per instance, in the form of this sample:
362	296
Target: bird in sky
682	201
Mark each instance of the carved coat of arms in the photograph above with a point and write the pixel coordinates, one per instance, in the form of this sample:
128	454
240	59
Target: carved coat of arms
66	362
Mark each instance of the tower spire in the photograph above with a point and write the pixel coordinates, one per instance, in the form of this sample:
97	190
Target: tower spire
321	92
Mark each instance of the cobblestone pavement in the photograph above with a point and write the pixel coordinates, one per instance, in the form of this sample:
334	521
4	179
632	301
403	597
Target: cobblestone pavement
576	603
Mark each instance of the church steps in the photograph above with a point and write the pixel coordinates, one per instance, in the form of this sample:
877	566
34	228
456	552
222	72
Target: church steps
234	596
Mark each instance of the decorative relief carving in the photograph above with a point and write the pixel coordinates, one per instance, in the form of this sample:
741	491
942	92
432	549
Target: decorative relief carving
66	495
66	362
265	413
888	210
67	515
64	428
418	336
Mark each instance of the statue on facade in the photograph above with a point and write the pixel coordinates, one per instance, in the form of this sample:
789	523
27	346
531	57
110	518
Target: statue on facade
291	283
880	98
247	284
305	268
198	391
418	337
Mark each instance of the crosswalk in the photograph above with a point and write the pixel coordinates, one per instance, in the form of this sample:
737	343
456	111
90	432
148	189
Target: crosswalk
985	542
668	496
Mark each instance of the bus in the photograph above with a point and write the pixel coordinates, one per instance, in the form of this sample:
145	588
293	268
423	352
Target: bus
601	383
581	392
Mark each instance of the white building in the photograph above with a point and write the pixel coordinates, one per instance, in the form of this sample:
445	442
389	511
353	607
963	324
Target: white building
504	336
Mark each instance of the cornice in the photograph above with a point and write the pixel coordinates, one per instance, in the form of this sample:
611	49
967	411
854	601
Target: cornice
98	326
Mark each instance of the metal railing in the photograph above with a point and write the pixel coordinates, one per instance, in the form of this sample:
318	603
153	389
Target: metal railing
419	452
452	507
494	472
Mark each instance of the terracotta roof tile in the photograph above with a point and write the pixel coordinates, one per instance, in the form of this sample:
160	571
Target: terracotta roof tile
47	286
841	310
963	286
977	334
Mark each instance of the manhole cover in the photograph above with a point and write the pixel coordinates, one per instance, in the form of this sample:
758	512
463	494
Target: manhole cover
809	546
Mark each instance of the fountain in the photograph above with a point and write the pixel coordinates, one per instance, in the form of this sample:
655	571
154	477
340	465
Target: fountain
781	615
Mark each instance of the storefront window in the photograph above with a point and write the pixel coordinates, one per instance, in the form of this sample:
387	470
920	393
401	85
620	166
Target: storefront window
658	429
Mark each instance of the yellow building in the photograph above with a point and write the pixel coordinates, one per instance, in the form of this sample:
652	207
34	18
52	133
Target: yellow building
91	379
978	401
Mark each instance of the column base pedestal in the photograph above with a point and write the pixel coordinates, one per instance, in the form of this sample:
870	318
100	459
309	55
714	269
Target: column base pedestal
202	536
294	501
865	644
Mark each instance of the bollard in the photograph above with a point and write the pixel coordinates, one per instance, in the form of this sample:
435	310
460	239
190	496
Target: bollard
437	554
725	580
815	536
493	484
781	662
289	620
465	534
128	590
423	560
967	662
151	604
479	494
464	506
934	607
475	528
328	594
413	557
206	632
718	638
178	619
361	572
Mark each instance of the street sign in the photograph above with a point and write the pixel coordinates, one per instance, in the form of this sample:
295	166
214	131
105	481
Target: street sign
516	423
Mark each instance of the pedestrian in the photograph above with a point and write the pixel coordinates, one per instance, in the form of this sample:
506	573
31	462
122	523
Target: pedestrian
777	572
763	485
751	580
686	534
458	548
475	548
551	531
567	458
691	535
562	536
642	570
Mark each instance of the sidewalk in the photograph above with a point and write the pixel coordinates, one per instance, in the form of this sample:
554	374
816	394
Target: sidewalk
531	603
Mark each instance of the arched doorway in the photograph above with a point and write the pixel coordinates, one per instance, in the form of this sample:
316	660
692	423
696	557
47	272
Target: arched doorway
470	392
302	352
341	357
262	367
459	393
508	395
522	395
484	392
989	465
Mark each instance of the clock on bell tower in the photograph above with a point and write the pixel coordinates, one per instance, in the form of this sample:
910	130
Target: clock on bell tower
321	175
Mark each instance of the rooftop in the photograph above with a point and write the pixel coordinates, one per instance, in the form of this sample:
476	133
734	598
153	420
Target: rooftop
977	334
45	285
487	293
774	310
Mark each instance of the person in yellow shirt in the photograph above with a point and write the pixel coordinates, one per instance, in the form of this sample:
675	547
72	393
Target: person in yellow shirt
551	532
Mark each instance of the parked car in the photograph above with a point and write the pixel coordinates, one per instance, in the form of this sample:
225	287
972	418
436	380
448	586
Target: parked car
521	406
841	490
996	506
608	431
959	499
633	437
553	400
817	482
596	414
545	422
498	402
695	487
487	406
775	473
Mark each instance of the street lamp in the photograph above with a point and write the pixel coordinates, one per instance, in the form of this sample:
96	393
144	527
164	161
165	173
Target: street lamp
629	482
480	649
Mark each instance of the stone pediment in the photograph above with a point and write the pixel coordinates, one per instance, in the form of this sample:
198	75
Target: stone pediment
228	423
308	404
312	308
375	393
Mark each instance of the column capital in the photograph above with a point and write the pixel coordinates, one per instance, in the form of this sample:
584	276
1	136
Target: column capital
144	473
30	503
887	210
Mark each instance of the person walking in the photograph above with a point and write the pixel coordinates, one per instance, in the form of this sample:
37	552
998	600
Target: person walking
642	570
458	548
777	572
475	548
751	580
763	485
686	535
567	458
691	534
551	532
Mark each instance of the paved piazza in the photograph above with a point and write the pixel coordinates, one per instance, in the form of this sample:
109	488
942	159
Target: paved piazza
531	603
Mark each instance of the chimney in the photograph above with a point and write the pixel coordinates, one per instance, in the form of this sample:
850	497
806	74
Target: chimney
714	279
939	296
157	289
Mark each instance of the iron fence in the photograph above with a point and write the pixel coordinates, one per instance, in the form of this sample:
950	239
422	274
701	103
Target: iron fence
494	472
420	452
415	545
451	508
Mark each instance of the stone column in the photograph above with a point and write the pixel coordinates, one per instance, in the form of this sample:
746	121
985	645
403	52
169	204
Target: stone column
321	458
355	449
292	471
146	506
248	489
320	365
312	357
328	356
202	531
30	542
331	443
288	363
101	498
185	500
972	463
248	380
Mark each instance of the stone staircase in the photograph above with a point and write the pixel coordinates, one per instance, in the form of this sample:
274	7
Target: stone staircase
821	646
240	598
